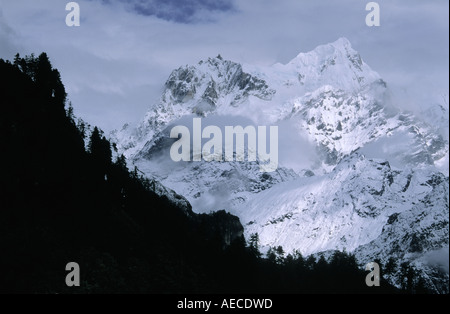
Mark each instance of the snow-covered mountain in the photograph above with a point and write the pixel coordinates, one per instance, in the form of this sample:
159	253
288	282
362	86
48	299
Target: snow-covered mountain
355	172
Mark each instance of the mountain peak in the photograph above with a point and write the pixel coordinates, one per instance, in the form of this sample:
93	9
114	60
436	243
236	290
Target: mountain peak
336	64
341	46
342	42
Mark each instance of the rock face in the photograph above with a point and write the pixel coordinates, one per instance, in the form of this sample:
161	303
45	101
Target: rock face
375	181
223	225
418	236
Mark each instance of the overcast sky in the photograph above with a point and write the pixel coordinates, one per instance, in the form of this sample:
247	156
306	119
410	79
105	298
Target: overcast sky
115	64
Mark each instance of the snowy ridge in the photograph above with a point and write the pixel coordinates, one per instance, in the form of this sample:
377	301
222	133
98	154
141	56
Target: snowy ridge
372	162
341	210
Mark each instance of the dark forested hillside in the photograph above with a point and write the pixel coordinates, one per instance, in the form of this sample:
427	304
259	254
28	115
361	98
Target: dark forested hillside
63	201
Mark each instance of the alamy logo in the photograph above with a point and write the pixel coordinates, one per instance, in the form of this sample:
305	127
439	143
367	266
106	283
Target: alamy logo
373	278
73	278
373	18
73	17
212	150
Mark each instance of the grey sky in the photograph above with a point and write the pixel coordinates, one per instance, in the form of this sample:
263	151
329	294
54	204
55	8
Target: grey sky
115	64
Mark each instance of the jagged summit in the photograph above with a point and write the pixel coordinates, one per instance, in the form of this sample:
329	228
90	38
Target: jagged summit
340	51
210	82
336	64
341	46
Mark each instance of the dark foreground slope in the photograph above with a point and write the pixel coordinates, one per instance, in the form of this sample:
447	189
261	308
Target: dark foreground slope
62	202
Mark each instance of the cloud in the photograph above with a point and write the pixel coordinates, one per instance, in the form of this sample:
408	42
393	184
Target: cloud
180	11
438	258
295	152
